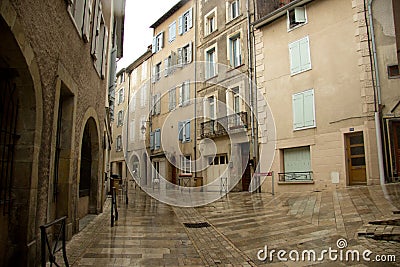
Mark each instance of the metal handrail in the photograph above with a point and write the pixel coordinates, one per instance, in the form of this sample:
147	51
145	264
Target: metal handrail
295	176
220	126
46	243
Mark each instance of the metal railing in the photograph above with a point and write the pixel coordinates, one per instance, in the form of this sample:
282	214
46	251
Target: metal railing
221	126
295	176
52	249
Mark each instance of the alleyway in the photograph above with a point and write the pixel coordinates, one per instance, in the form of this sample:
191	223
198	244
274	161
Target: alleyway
150	233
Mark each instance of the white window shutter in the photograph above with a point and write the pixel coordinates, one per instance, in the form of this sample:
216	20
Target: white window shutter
154	45
227	10
158	104
95	21
181	95
189	53
180	130
104	56
187	131
180	25
304	49
79	14
295	62
96	29
180	57
186	92
161	39
309	116
298	111
153	76
166	68
86	21
190	18
300	14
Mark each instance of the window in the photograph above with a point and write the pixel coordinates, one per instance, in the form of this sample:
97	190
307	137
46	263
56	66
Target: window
186	164
120	118
209	108
185	54
172	32
184	131
234	103
156	72
121	96
218	159
299	56
156	170
99	41
144	70
155	139
122	78
184	94
296	17
393	71
232	9
172	99
210	63
143	95
118	143
303	110
297	164
132	131
158	42
235	57
156	104
210	20
80	11
185	22
134	77
167	66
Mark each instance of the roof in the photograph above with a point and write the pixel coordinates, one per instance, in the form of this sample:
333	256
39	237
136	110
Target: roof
276	14
146	55
169	13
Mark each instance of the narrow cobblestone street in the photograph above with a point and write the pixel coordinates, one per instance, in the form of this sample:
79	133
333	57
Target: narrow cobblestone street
150	233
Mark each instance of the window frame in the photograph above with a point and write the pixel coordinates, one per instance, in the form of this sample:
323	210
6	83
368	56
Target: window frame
185	160
208	63
210	28
233	41
120	118
292	12
229	10
118	145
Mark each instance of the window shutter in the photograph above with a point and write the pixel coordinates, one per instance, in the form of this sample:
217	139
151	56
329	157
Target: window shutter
180	25
229	102
154	45
189	53
298	111
86	20
295	63
180	57
79	14
300	14
186	92
104	54
161	39
157	137
190	18
96	28
309	119
181	95
180	130
132	131
228	16
158	103
187	131
153	76
151	140
166	68
305	53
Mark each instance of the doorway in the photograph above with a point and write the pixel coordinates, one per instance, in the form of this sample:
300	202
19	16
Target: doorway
396	148
355	153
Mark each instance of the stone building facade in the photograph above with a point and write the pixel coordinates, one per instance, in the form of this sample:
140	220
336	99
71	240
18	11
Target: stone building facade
55	66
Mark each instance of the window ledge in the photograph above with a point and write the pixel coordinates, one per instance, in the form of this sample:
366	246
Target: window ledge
296	73
234	68
295	182
210	78
230	21
304	128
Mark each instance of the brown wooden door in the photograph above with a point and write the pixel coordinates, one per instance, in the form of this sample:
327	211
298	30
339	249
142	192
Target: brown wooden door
396	139
356	158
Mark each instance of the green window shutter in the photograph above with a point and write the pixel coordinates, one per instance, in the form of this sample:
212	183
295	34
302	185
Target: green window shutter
151	140
157	139
187	131
298	111
180	130
297	159
304	54
309	116
295	62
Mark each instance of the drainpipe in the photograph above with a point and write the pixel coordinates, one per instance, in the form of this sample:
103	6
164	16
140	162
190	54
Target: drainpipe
378	94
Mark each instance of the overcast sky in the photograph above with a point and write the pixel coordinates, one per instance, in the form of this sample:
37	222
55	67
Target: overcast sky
139	15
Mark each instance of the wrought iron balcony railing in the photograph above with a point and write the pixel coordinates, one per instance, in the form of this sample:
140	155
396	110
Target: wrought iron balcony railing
295	176
222	126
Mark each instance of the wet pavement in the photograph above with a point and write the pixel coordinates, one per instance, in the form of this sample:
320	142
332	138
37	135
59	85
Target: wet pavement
345	227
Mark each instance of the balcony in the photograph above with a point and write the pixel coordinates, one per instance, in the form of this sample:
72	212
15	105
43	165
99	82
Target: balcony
296	177
222	126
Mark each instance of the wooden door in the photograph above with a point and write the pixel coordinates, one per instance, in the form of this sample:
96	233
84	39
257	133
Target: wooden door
356	159
396	139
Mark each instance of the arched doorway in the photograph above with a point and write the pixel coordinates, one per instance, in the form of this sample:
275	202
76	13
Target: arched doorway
89	170
20	132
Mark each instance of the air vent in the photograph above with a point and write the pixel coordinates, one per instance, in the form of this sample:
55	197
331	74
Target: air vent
197	225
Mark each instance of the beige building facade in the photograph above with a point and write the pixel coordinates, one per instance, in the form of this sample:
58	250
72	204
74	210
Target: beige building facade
313	61
55	64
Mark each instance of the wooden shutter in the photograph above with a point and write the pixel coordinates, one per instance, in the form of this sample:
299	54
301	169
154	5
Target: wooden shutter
297	159
189	53
300	14
304	49
166	67
295	62
96	28
158	103
181	95
186	92
151	140
161	39
180	25
86	21
190	18
180	57
104	56
298	111
229	102
180	130
157	137
154	45
187	131
309	116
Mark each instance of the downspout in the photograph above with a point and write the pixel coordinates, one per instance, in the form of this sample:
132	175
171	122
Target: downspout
194	49
378	94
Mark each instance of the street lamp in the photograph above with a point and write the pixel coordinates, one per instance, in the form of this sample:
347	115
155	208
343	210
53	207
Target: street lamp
143	129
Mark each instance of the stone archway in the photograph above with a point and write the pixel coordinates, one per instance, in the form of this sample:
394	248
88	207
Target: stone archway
20	133
89	178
